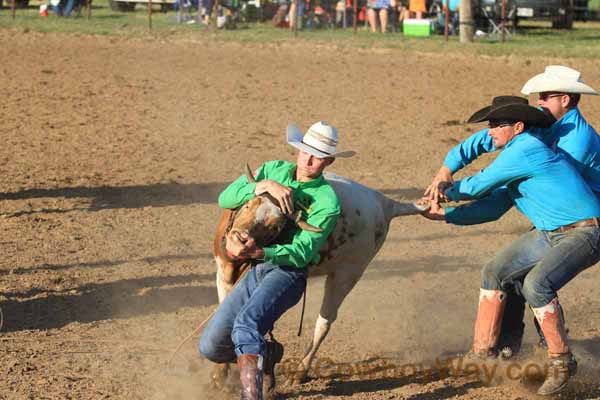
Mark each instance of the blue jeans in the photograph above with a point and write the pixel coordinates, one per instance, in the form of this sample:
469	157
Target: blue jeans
546	260
250	311
64	8
452	22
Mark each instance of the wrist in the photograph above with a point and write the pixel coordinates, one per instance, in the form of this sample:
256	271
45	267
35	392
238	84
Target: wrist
440	217
261	187
445	172
259	254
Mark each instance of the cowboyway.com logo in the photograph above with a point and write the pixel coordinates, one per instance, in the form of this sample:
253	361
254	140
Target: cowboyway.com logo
442	368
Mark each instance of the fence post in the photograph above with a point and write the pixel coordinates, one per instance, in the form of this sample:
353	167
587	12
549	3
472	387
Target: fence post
150	15
355	16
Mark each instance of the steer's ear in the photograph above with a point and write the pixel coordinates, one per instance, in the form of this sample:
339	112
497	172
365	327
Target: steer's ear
250	174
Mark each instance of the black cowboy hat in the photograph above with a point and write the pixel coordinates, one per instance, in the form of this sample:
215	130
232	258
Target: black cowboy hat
512	108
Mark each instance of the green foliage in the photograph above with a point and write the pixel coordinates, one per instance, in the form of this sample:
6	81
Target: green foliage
532	40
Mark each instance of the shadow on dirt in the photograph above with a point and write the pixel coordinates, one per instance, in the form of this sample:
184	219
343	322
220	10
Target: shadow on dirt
592	346
138	196
381	269
103	301
204	257
379	375
470	232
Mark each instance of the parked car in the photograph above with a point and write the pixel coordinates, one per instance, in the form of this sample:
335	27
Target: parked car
18	3
129	5
561	13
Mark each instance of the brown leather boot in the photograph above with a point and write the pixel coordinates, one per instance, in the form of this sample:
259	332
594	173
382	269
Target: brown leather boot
251	376
273	355
562	363
489	321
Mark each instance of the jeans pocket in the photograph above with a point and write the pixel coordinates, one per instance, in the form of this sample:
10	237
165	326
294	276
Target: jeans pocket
592	236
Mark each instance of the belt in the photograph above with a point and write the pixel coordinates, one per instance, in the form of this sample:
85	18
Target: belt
579	224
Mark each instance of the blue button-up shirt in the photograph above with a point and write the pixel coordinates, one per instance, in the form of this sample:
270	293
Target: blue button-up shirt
542	184
571	136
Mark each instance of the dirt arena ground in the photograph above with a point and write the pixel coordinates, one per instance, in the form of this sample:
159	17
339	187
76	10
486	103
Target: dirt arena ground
114	152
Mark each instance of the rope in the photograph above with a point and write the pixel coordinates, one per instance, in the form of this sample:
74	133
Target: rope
224	253
201	326
188	337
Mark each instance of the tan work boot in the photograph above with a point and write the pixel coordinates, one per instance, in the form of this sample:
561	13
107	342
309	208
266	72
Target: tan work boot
562	363
489	321
251	376
560	370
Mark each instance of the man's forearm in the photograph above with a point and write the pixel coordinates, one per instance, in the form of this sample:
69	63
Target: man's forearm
237	193
469	150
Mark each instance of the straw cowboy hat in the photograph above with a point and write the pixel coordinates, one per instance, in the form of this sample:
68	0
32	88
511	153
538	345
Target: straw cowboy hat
512	108
557	78
320	140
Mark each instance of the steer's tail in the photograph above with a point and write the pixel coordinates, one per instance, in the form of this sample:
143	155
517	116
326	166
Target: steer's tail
401	208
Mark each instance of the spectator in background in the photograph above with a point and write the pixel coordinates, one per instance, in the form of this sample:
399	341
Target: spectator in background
378	7
279	17
452	16
403	13
292	15
207	6
62	8
417	7
341	8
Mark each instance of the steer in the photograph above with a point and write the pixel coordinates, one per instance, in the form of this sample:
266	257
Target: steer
359	234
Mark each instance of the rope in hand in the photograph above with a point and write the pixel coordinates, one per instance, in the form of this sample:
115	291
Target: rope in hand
201	326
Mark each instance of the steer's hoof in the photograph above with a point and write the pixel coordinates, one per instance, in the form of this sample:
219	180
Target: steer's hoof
269	394
298	379
219	378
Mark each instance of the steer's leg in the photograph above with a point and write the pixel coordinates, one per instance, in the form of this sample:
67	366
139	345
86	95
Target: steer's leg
220	372
337	286
223	288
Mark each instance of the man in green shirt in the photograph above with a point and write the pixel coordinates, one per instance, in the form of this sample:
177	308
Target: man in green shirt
278	279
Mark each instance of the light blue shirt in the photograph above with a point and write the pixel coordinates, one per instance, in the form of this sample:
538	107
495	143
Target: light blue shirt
453	4
571	136
542	184
577	140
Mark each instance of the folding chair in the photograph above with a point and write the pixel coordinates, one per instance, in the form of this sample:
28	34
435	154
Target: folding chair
496	27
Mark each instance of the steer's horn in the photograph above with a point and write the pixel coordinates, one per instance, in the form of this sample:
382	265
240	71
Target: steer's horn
305	225
308	227
250	174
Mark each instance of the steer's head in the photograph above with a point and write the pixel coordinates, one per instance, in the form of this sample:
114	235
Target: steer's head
262	219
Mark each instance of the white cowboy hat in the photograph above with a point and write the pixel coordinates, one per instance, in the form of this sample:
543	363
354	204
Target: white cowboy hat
557	78
320	140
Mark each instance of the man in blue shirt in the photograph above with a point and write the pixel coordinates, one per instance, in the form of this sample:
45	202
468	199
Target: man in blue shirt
452	7
550	192
559	89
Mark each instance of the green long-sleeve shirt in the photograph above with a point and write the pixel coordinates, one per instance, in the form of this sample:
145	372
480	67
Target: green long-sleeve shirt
294	246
